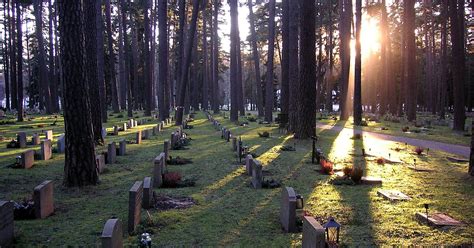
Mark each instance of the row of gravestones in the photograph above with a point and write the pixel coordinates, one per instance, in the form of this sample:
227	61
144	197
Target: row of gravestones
313	232
43	207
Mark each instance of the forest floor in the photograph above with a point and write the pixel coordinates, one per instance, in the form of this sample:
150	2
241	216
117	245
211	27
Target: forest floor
231	213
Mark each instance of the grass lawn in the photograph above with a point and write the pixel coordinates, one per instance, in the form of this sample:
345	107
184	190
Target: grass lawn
228	211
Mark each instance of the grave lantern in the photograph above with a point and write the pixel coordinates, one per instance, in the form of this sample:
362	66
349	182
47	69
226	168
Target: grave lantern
299	202
332	232
18	160
145	240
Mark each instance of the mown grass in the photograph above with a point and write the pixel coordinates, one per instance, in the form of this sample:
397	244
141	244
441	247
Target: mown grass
230	213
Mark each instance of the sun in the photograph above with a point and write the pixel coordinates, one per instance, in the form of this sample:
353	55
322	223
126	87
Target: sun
369	36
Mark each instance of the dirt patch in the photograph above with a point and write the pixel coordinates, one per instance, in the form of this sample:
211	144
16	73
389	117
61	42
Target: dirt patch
164	202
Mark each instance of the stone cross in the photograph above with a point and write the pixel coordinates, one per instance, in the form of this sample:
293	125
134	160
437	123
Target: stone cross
44	201
46	152
27	159
313	233
135	206
111	153
6	223
147	193
112	234
288	209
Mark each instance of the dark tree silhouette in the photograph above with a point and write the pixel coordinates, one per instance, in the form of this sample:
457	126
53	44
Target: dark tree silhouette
358	68
163	60
270	53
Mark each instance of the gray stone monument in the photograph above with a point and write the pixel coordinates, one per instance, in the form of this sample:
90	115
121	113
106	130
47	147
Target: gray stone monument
100	162
111	153
288	209
138	137
166	149
6	223
313	233
124	127
234	144
35	140
248	164
44	201
49	134
21	139
135	195
159	168
61	144
46	151
116	130
27	159
112	234
147	193
256	174
122	148
146	134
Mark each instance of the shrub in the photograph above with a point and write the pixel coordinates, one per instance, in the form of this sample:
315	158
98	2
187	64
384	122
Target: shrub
419	150
171	179
347	171
405	129
380	160
327	167
251	118
264	134
356	174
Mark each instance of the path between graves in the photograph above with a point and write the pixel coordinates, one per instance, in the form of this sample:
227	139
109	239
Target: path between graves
459	150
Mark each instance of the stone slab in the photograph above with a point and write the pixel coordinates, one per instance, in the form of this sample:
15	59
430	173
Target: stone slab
21	139
100	162
313	233
420	168
138	138
288	209
35	140
46	151
61	144
392	195
371	180
147	193
438	219
122	148
159	168
248	164
135	195
166	149
257	176
44	200
112	234
49	134
6	223
27	159
111	153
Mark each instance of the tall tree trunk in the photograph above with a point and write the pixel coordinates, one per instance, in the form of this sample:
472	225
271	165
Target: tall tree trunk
271	53
123	74
43	80
100	62
358	68
293	69
181	43
215	65
19	62
205	81
345	12
256	60
6	51
187	61
234	96
307	83
148	72
444	60
14	60
113	80
163	59
285	80
330	55
456	14
385	99
92	77
410	73
240	86
471	160
53	86
79	167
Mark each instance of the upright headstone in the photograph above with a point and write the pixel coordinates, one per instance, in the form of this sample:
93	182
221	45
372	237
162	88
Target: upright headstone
248	164
103	132
122	148
159	167
135	123
288	209
49	134
35	140
6	223
138	137
45	151
234	144
313	233
61	144
130	123
155	130
124	127
147	193
257	174
112	234
111	153
173	140
116	130
44	201
146	134
27	159
134	205
166	149
21	139
100	162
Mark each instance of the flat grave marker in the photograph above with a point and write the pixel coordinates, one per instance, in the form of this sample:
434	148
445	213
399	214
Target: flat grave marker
392	195
371	180
438	219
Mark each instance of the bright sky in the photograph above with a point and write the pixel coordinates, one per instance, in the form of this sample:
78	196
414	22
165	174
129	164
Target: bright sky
244	25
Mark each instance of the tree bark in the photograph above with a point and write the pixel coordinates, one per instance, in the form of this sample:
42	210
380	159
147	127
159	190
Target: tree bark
100	63
79	166
215	65
307	88
293	68
471	160
163	59
53	85
6	51
45	96
205	80
444	60
148	72
271	53
256	60
358	68
285	80
19	62
14	60
345	12
410	73
113	79
234	95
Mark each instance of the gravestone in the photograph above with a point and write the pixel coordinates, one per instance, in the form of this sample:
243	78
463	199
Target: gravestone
100	162
238	151
248	164
234	144
166	149
134	205
124	127
122	148
116	130
138	137
146	134
256	174
130	123
103	132
6	223
112	234
155	130
49	134
27	159
61	144
159	168
173	140
35	140
147	193
21	139
111	153
45	151
288	209
438	219
162	124
392	195
44	201
223	133
313	233
135	123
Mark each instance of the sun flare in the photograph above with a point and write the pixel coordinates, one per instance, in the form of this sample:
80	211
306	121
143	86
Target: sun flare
369	36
